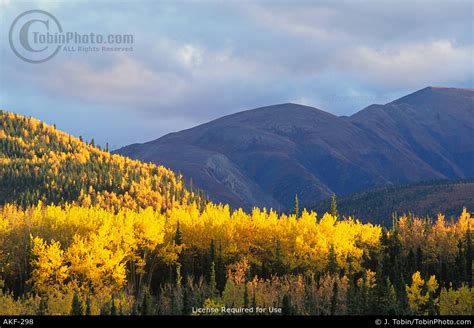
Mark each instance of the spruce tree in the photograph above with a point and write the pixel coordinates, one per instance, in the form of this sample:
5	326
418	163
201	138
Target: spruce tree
334	298
187	300
105	309
178	237
469	256
296	210
113	309
212	252
364	296
410	264
88	306
419	259
287	307
220	270
384	298
352	297
147	304
333	209
43	306
460	265
254	299
332	266
135	308
246	296
212	280
278	262
76	307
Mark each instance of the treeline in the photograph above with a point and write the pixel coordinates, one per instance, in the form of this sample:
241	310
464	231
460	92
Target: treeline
420	198
40	163
78	260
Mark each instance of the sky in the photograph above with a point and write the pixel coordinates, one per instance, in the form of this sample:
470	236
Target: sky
195	61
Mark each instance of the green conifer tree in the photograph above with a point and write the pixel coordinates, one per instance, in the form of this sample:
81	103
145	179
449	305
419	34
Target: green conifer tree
286	306
333	209
469	256
334	298
178	237
332	266
212	281
76	307
296	210
88	306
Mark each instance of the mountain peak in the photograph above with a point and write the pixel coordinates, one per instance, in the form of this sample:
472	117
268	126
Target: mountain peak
284	112
435	95
287	106
449	88
264	156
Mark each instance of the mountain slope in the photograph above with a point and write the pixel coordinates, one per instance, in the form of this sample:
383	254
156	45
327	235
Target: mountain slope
427	198
263	157
437	124
40	163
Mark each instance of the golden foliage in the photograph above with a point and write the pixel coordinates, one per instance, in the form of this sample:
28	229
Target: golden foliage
419	292
456	302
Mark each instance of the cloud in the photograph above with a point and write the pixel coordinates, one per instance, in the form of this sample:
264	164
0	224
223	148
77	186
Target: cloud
181	79
194	62
126	82
369	21
411	65
191	56
4	3
302	21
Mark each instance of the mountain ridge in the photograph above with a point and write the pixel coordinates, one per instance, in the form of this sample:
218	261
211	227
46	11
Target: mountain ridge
264	156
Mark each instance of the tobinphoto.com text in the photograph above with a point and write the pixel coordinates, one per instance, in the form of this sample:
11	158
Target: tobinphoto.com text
91	42
36	36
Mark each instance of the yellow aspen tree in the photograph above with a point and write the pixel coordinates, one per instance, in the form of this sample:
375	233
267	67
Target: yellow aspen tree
456	301
49	271
419	292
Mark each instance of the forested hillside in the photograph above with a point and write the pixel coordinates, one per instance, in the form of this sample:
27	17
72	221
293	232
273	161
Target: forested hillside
427	198
84	232
39	162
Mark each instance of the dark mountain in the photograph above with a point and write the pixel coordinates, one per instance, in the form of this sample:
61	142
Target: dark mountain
264	156
427	198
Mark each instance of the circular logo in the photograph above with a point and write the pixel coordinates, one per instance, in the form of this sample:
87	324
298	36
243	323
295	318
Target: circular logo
34	36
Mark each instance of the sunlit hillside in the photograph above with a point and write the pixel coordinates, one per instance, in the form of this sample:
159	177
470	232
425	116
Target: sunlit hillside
39	162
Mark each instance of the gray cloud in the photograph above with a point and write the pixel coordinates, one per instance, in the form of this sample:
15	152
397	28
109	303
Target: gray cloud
195	61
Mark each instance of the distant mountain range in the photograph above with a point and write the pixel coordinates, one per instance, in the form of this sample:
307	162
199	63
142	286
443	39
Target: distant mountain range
427	198
263	157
